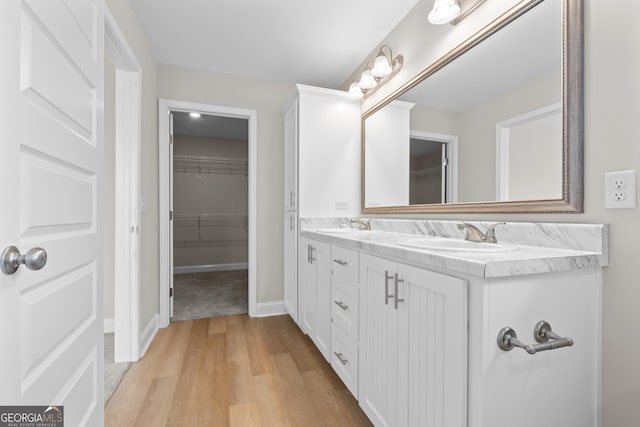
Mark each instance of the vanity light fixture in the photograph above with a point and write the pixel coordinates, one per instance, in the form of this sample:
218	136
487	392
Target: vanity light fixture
195	115
452	11
376	73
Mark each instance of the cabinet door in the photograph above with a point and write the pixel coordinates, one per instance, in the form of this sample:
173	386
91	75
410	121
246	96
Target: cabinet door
321	253
291	156
378	342
432	355
291	264
307	288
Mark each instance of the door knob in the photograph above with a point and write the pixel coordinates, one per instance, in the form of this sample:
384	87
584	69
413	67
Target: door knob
10	260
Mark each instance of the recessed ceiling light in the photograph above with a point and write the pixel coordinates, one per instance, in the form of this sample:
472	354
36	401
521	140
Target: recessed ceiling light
194	115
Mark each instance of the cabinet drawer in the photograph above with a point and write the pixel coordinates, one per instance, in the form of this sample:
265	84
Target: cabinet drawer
345	263
344	306
344	359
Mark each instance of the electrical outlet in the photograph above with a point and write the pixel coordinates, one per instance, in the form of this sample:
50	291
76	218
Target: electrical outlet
342	204
620	190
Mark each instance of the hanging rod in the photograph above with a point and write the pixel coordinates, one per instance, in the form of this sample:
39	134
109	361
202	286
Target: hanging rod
210	217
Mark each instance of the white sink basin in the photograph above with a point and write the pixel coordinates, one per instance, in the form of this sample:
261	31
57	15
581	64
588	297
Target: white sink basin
456	245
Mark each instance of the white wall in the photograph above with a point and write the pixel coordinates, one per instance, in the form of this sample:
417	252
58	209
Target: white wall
612	107
268	99
128	23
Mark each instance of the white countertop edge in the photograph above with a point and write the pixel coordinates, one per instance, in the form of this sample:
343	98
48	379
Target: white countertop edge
525	260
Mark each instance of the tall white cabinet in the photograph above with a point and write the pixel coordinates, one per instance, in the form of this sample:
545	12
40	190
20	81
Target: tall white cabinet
322	173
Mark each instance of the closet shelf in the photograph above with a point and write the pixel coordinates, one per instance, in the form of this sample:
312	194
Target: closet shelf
209	243
205	222
437	170
210	165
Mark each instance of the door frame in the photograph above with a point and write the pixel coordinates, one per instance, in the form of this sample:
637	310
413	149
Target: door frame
165	106
128	120
451	142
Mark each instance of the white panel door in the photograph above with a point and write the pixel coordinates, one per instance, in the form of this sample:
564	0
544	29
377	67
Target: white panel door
432	349
307	288
291	264
291	157
50	166
322	260
377	392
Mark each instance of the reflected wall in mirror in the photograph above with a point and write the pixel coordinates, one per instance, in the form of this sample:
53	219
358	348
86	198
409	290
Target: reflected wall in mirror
507	120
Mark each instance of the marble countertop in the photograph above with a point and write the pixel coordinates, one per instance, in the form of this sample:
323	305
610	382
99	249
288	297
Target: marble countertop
519	260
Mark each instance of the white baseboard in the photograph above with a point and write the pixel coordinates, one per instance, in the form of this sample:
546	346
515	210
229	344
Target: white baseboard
149	333
109	326
212	267
272	308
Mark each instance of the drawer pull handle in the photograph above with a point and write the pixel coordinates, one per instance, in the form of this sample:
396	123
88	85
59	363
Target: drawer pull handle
342	305
546	338
339	261
341	358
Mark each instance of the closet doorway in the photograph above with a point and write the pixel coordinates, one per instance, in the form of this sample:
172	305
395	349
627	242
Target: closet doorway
207	177
210	216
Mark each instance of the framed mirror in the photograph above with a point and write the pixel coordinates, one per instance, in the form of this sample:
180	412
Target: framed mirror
496	125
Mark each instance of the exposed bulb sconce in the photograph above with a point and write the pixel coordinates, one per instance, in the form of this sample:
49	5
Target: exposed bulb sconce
452	11
376	73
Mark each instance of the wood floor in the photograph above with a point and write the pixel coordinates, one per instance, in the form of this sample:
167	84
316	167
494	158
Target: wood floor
233	371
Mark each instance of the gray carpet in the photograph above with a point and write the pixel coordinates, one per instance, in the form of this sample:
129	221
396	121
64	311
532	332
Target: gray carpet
113	372
214	294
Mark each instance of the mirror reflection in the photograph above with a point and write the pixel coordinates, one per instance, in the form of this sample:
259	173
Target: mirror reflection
485	127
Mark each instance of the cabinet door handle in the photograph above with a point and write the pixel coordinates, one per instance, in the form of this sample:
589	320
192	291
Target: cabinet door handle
311	252
339	261
341	358
342	305
292	197
396	282
387	277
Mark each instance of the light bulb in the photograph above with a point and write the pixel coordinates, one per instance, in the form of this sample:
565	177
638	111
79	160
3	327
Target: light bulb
444	11
367	81
194	115
381	67
354	91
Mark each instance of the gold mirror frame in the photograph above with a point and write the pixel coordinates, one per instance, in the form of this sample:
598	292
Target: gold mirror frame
572	115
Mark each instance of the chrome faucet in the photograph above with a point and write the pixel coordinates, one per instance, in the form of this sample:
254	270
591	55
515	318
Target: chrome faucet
363	224
475	235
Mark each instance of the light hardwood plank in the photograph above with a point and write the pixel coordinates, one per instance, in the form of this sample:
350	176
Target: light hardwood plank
232	372
271	401
245	415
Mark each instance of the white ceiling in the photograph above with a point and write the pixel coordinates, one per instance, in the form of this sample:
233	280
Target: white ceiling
294	41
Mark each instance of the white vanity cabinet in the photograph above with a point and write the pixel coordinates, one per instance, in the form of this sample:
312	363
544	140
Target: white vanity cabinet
314	311
413	345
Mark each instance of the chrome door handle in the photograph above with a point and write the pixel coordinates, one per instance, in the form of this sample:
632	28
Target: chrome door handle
10	260
291	223
396	281
387	276
339	261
